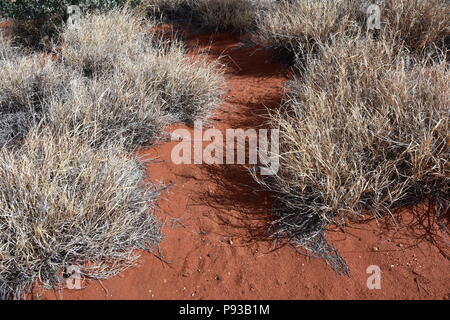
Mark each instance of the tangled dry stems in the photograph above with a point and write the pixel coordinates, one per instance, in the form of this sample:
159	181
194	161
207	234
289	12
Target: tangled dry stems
363	131
7	48
219	15
295	27
299	25
71	192
26	85
152	73
64	203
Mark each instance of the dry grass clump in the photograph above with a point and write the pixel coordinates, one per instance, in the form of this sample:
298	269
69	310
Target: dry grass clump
142	69
66	204
104	39
26	84
106	110
219	15
188	89
71	193
7	49
226	15
299	25
363	132
420	25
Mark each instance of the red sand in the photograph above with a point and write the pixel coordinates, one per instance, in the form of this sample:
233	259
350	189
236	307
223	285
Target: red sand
214	243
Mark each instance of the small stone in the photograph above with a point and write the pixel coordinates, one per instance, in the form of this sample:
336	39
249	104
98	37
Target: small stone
375	249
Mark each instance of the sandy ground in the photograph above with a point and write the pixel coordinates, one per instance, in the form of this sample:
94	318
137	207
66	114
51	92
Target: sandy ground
215	246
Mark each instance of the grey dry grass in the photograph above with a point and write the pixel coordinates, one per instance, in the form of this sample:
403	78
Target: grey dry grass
64	203
364	131
218	15
7	48
26	84
107	110
104	39
295	27
155	73
299	25
419	25
70	193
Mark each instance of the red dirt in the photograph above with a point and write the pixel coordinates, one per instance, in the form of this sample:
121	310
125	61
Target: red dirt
214	238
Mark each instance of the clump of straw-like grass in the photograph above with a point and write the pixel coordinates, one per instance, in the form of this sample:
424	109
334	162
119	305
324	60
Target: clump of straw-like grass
218	15
65	204
300	25
26	85
419	25
296	27
365	130
152	72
